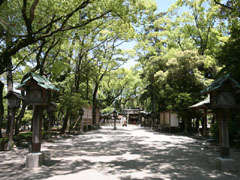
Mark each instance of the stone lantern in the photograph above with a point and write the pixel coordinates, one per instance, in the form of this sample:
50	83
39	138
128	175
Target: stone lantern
223	94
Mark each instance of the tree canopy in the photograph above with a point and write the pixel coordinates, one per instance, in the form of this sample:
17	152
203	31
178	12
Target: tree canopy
79	46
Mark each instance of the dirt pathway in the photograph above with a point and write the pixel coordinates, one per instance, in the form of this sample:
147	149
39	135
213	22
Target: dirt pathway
127	153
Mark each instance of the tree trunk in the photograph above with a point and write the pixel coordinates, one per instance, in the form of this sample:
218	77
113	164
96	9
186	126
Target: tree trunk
51	117
76	125
82	124
8	122
19	118
87	92
197	124
10	135
1	107
187	125
70	123
78	72
11	111
94	104
65	121
46	122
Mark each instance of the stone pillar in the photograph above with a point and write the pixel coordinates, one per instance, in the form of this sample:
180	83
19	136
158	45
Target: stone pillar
36	132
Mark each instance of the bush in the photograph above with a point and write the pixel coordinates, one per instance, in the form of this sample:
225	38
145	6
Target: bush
3	141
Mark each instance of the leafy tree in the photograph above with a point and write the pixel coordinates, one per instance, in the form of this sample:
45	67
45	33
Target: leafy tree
229	54
120	89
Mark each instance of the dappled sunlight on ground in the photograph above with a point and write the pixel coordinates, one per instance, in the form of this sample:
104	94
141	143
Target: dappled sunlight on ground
127	153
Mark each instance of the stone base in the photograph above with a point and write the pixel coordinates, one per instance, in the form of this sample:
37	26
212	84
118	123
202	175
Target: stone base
33	160
225	164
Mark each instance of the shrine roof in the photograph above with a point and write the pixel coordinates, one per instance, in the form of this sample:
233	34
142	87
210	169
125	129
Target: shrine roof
201	104
41	81
219	82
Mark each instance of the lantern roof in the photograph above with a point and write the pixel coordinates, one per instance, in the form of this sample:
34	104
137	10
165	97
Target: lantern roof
201	104
219	83
40	80
15	94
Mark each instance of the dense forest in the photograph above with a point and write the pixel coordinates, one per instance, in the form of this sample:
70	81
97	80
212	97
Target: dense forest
78	46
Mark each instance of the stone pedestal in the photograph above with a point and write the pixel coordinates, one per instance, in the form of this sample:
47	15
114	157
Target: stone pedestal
34	160
225	164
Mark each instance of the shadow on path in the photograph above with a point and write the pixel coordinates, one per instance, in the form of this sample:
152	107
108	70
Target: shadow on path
127	153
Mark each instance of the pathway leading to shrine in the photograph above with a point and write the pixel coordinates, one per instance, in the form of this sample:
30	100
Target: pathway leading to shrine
128	153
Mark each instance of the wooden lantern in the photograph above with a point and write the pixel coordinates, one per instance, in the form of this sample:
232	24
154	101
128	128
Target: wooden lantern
37	96
38	89
14	99
37	93
223	94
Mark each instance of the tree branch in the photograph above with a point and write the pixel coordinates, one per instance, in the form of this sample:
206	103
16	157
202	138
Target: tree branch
25	18
32	10
223	5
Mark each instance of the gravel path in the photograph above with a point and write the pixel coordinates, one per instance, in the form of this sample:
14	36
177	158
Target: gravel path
125	154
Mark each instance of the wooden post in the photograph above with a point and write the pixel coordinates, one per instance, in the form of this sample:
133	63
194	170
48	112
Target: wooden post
225	135
36	130
222	118
205	122
219	121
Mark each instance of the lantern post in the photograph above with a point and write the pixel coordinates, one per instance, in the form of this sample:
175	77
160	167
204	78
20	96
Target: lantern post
223	99
38	91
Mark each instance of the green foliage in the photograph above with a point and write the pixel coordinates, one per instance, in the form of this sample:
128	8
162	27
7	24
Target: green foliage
27	118
26	136
229	52
3	140
107	110
179	51
120	89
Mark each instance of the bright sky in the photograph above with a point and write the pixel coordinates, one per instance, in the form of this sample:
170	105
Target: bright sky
162	5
